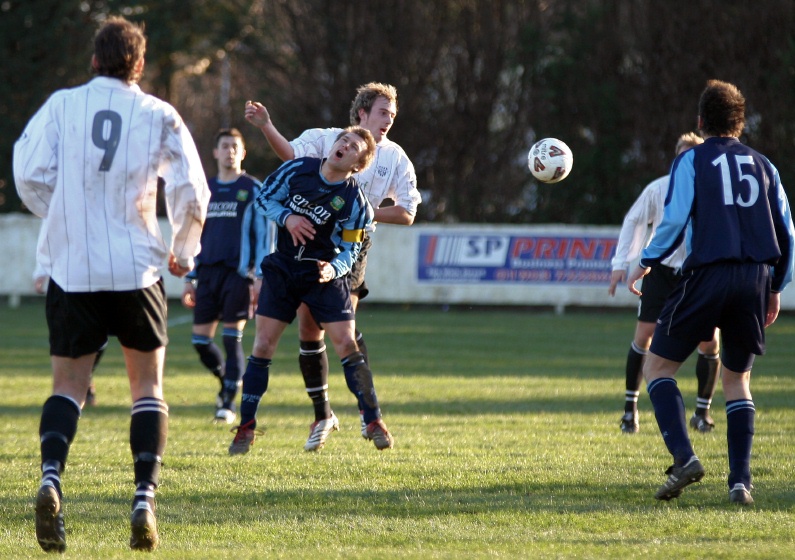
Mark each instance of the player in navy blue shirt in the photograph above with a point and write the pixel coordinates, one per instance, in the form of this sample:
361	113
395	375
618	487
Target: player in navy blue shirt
322	216
727	202
225	283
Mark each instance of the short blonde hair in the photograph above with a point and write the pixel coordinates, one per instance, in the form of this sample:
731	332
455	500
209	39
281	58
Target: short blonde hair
687	140
366	96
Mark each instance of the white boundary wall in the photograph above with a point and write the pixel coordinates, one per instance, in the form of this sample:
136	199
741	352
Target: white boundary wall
394	267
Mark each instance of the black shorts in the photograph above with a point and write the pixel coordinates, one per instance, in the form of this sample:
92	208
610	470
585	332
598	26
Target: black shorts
730	296
657	285
221	293
358	285
286	284
80	322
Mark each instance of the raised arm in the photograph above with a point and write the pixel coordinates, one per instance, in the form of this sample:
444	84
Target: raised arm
257	114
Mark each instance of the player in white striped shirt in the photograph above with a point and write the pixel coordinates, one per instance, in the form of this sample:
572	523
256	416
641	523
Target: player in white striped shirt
88	163
637	230
390	176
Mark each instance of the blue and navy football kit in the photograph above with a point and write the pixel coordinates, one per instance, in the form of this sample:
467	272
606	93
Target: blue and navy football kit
727	202
339	213
234	241
721	199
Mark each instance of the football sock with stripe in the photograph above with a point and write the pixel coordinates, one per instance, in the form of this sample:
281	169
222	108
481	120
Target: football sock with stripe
235	364
669	410
57	429
148	435
707	368
362	345
255	385
633	377
209	354
360	382
313	362
740	415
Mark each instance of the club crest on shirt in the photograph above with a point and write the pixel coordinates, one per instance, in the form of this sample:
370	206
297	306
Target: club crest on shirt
381	170
242	195
337	202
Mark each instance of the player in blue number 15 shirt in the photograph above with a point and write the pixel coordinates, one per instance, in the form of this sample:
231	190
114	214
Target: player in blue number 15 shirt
322	216
727	202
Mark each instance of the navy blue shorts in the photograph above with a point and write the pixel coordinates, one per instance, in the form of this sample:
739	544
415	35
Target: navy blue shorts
286	284
221	293
730	296
80	322
657	285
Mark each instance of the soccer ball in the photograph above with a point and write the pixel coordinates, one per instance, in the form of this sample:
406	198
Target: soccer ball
550	160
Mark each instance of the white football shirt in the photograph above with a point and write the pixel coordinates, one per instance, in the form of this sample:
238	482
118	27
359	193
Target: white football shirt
88	163
640	225
391	175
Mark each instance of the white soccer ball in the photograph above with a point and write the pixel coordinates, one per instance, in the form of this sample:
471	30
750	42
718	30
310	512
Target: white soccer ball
550	160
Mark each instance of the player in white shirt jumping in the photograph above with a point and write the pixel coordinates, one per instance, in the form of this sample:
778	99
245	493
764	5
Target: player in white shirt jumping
88	163
638	228
390	176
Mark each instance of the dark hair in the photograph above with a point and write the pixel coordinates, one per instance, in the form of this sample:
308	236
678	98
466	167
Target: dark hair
722	109
118	46
233	132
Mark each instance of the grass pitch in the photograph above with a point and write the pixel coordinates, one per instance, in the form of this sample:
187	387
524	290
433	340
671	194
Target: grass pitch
507	446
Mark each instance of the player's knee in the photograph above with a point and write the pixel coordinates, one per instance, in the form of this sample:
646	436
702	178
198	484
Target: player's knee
710	348
263	347
308	330
345	347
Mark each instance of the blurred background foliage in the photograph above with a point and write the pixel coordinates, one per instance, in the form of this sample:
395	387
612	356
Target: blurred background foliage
478	83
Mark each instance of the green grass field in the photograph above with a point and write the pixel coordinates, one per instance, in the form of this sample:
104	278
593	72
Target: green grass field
507	446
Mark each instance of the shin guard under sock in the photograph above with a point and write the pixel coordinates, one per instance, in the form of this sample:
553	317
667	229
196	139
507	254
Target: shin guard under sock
707	368
360	382
255	385
669	410
314	368
633	377
740	415
57	429
148	435
209	354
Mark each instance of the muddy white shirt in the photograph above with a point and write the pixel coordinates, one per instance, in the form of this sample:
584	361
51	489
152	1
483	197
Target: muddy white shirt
391	175
88	163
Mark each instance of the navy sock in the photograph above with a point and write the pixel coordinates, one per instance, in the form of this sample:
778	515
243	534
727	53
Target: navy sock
235	363
314	368
362	345
669	410
255	385
360	382
740	416
209	354
57	429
